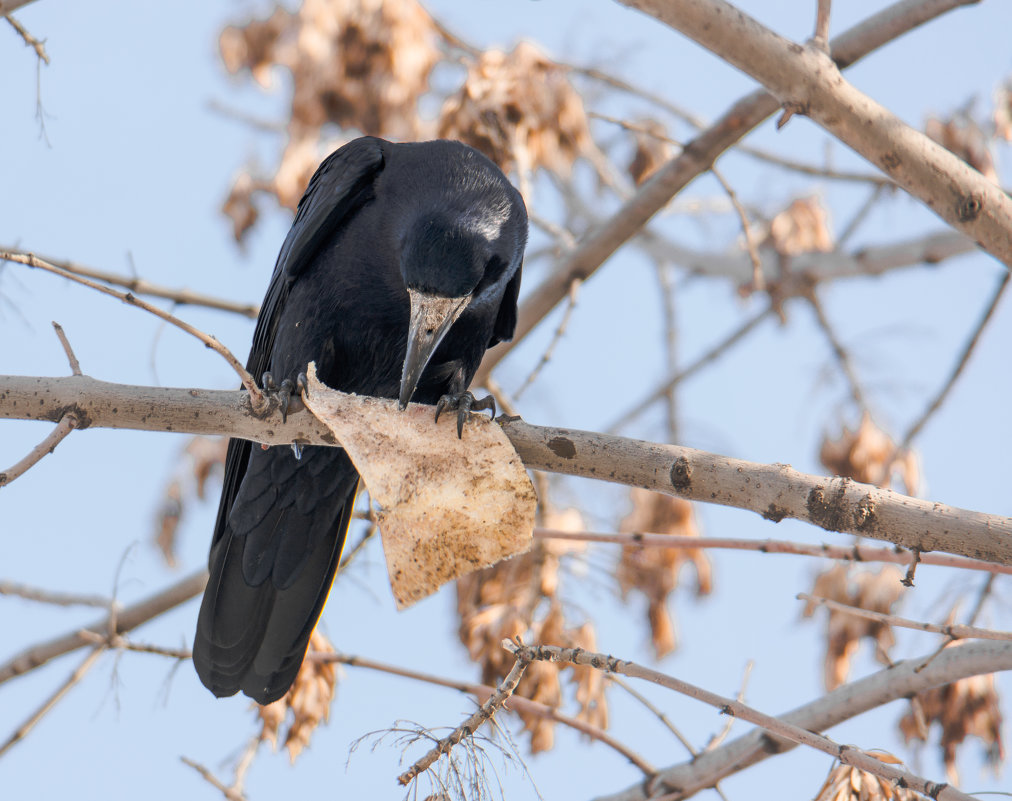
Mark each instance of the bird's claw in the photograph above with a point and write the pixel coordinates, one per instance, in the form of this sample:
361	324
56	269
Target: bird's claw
286	390
464	403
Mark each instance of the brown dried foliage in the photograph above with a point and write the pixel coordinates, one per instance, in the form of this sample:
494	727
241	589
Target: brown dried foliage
519	598
359	64
803	227
305	706
652	150
869	455
961	134
521	111
877	591
654	571
1002	117
848	783
969	707
202	456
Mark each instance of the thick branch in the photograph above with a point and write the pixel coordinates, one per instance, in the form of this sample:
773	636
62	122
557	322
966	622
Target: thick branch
774	491
696	158
901	680
806	80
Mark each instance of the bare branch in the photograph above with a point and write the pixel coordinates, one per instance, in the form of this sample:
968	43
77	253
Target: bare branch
30	260
806	80
50	597
954	631
839	351
67	424
230	793
75	365
127	618
467	729
849	553
697	157
141	286
821	37
901	680
22	731
31	41
776	726
773	491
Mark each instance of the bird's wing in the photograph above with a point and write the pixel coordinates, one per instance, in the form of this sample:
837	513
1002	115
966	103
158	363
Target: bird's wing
506	320
340	184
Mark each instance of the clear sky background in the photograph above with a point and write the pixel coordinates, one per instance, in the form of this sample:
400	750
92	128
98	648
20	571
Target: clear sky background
130	172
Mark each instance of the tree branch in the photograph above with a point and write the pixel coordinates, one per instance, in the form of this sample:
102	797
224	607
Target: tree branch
806	80
901	680
773	491
696	158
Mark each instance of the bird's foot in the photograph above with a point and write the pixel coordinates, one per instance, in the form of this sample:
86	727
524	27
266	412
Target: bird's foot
286	390
464	402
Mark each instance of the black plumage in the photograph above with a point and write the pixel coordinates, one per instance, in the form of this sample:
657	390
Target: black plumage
402	267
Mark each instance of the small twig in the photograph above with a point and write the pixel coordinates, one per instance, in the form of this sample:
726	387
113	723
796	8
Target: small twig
141	286
821	38
67	424
711	355
257	398
351	554
229	792
960	365
657	712
50	597
22	731
954	631
75	365
471	725
855	553
839	351
849	755
908	579
574	288
860	216
119	643
36	45
670	312
758	281
718	738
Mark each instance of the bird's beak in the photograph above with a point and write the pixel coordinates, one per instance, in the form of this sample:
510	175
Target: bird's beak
431	317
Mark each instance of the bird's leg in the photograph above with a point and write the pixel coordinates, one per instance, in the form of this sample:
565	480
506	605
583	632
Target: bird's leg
463	401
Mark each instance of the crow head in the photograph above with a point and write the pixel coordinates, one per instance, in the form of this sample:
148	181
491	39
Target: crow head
450	262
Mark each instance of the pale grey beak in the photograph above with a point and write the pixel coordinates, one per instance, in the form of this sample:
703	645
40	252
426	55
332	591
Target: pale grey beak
431	318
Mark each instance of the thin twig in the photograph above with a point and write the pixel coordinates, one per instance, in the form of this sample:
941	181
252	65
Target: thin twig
22	731
821	37
776	726
120	643
839	351
854	553
30	260
31	41
471	725
50	597
229	792
711	355
859	216
141	286
718	738
670	312
67	424
75	365
758	282
574	289
957	370
955	631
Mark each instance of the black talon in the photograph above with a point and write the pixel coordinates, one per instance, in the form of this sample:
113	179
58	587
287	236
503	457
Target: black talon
285	391
267	382
302	384
464	403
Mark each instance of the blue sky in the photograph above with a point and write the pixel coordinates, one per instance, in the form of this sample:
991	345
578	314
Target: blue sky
130	173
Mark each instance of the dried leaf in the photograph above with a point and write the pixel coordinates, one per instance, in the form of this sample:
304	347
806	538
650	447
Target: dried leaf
654	571
652	150
869	455
803	227
969	707
1003	112
306	704
521	111
848	783
877	591
961	134
168	522
446	506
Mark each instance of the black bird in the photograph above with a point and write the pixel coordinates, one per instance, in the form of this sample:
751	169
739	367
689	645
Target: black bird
402	267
